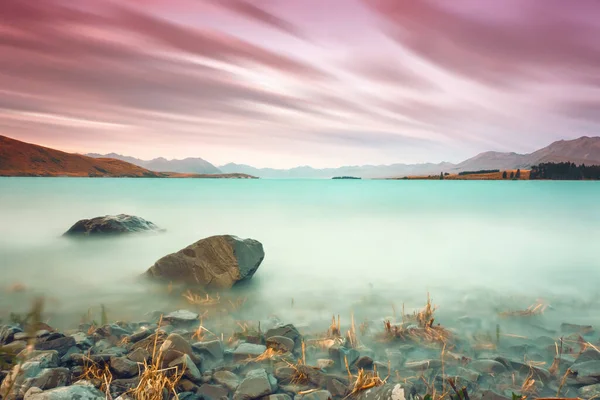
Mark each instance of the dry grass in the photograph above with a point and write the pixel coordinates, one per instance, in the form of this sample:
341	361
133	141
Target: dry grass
364	381
423	331
201	300
334	329
155	381
533	310
99	376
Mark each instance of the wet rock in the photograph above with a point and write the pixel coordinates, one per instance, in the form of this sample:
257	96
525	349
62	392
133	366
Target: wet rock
574	328
316	395
467	374
492	395
585	373
324	363
294	389
227	379
14	347
213	349
212	392
139	355
181	317
123	367
364	362
37	369
7	333
82	340
48	378
284	373
217	261
61	345
174	347
588	355
189	396
396	357
248	350
67	357
120	386
278	396
255	385
348	356
337	388
185	363
280	343
288	331
423	365
385	392
186	385
590	392
111	225
141	335
487	366
78	391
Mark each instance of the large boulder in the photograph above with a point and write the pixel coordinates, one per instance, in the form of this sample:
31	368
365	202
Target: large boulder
111	225
216	262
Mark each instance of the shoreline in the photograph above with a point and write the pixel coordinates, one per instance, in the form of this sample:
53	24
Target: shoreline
205	350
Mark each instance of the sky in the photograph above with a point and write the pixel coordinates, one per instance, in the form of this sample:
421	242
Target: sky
282	83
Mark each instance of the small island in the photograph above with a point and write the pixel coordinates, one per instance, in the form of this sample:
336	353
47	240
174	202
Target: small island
346	177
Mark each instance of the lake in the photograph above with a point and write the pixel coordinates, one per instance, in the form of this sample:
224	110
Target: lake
366	247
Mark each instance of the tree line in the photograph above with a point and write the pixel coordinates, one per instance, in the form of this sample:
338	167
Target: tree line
565	171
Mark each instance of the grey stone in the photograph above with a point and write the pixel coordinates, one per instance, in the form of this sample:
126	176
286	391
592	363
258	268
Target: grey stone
280	343
185	363
248	350
255	385
61	345
388	392
586	373
423	365
7	333
227	379
279	396
213	392
217	261
467	374
139	355
285	373
590	392
78	391
213	348
82	340
124	367
288	331
111	225
48	378
487	366
181	316
174	347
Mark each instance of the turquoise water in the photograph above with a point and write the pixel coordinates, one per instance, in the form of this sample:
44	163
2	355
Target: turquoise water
333	246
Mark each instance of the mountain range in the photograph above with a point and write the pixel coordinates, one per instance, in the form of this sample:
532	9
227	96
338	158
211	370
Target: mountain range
19	158
584	150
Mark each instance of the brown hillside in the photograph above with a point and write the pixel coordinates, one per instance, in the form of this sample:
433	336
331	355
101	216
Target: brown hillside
25	159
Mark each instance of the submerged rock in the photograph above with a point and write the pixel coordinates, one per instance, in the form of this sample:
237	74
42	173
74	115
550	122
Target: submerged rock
80	391
111	225
217	261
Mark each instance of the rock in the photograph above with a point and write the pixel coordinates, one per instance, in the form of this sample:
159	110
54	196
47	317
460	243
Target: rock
324	363
279	396
255	385
14	347
574	328
316	395
588	355
280	343
214	349
124	367
423	365
386	392
468	374
139	355
348	355
248	350
48	378
216	261
364	362
212	392
590	392
121	386
288	331
337	388
487	366
227	379
181	316
141	335
293	389
111	225
185	363
491	395
586	373
7	333
61	345
79	391
189	396
174	347
82	340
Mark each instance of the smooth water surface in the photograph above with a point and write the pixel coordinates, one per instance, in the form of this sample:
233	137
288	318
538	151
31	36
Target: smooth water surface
333	246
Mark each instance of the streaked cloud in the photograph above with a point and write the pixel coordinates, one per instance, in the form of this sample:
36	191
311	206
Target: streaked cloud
275	83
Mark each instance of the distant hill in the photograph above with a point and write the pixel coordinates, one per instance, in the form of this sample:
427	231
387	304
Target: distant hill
584	150
187	165
363	171
25	159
